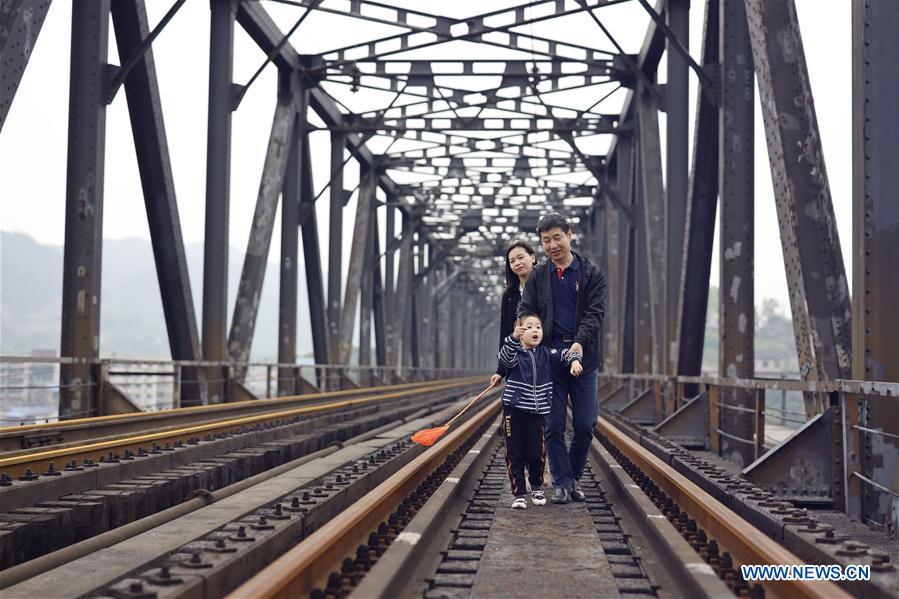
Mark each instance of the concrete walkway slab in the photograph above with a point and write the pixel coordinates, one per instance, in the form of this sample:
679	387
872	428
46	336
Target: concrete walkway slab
543	551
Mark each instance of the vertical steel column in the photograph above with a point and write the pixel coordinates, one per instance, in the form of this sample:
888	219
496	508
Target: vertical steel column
626	240
335	243
21	20
218	191
653	195
612	325
875	199
246	305
390	282
82	258
642	321
315	282
289	266
677	13
875	243
422	304
366	285
378	298
402	327
413	300
816	277
151	147
736	347
360	247
700	218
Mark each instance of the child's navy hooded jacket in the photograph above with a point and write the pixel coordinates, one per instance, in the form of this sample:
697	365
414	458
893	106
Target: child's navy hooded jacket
529	384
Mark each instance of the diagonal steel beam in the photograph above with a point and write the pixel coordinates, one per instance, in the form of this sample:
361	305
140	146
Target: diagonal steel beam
654	215
151	146
315	283
816	277
20	24
246	305
702	198
360	247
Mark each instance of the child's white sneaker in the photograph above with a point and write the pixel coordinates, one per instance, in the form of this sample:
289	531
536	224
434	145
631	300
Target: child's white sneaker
537	497
519	503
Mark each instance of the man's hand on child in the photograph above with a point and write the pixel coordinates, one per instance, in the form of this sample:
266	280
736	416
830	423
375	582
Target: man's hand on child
576	348
576	368
495	380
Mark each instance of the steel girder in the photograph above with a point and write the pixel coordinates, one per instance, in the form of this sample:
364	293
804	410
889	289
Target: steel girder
873	449
82	258
315	283
702	198
816	277
151	146
288	279
875	197
359	249
335	243
654	215
677	14
246	305
218	191
643	351
595	126
736	345
378	304
20	24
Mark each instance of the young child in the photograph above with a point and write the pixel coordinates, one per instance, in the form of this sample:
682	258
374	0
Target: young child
527	398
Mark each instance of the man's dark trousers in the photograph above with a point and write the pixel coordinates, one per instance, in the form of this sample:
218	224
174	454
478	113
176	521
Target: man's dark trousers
566	464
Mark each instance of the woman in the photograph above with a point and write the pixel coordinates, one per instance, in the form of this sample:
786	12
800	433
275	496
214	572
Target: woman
520	259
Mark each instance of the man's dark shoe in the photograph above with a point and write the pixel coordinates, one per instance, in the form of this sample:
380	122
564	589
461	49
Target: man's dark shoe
576	493
560	496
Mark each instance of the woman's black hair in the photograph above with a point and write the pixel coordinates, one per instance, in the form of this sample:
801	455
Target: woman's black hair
512	281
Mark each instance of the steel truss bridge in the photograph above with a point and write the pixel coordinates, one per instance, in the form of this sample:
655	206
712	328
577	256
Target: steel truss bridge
462	157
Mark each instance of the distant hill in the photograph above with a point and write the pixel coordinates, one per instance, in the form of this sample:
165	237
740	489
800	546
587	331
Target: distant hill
132	323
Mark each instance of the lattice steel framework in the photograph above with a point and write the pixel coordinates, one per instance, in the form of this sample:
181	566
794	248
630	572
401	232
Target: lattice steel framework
465	153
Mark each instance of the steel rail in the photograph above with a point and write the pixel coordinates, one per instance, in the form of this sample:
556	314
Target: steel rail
747	544
17	440
36	461
296	572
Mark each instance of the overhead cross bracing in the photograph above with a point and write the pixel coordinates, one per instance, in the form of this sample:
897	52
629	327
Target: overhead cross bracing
467	135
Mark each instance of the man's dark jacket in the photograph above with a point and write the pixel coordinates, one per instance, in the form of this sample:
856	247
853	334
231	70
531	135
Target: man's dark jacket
590	308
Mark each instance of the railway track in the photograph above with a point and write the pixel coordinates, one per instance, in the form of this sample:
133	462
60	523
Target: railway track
118	482
380	517
385	545
94	439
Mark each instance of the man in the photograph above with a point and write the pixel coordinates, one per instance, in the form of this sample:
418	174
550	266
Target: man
568	291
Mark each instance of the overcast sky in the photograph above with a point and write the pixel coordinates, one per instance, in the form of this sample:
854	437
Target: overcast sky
33	139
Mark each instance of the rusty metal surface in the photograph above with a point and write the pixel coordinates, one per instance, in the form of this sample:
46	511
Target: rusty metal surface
745	542
13	439
816	277
39	462
309	563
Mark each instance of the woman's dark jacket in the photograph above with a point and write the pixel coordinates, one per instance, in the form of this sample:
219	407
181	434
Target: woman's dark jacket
508	313
589	310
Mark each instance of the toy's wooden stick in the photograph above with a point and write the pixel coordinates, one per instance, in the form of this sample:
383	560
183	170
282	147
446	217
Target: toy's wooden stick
429	436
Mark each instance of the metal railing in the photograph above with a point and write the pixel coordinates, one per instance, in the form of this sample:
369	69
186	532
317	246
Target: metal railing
30	387
864	454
